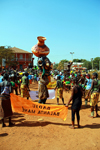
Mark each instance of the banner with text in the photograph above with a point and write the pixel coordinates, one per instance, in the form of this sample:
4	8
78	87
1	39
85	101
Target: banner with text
22	105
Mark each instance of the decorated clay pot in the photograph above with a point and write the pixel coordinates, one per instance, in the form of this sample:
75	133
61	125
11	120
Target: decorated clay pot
40	49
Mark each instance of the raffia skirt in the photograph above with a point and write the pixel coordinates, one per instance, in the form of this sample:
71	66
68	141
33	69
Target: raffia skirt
94	99
24	91
60	93
43	92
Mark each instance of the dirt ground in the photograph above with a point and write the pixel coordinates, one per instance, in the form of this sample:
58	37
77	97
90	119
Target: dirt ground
47	133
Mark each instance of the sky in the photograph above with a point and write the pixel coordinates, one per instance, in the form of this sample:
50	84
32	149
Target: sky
68	25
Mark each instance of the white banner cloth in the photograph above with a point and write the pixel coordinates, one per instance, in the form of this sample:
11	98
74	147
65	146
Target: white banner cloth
34	94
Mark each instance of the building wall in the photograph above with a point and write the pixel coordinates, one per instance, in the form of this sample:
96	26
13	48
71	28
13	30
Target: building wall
23	61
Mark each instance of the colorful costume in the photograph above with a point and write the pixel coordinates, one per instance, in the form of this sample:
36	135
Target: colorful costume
43	91
5	104
41	51
59	89
24	87
94	94
88	86
94	98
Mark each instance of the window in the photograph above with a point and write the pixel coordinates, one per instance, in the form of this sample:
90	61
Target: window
21	56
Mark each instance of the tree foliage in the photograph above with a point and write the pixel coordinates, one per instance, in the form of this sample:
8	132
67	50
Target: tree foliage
79	60
87	64
96	63
8	55
61	64
55	66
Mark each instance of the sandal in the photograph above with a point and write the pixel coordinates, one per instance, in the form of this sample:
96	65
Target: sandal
71	127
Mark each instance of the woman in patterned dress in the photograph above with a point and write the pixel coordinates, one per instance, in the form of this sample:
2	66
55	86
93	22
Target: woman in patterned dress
5	103
25	86
94	94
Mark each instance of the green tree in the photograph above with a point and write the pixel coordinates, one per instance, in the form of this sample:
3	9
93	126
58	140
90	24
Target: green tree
61	64
75	60
8	55
79	60
96	63
55	66
83	60
87	64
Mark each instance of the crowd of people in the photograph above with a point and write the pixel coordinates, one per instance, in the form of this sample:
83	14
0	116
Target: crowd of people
13	82
81	85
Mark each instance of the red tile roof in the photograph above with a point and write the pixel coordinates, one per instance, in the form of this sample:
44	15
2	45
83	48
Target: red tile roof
17	50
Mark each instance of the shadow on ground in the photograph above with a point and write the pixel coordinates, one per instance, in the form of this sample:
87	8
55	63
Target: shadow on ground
16	116
37	123
3	134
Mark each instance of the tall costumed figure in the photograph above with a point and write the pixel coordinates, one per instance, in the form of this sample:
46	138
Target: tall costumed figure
45	66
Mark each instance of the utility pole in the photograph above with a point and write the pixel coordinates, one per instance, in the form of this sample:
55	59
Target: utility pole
72	55
99	64
92	63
